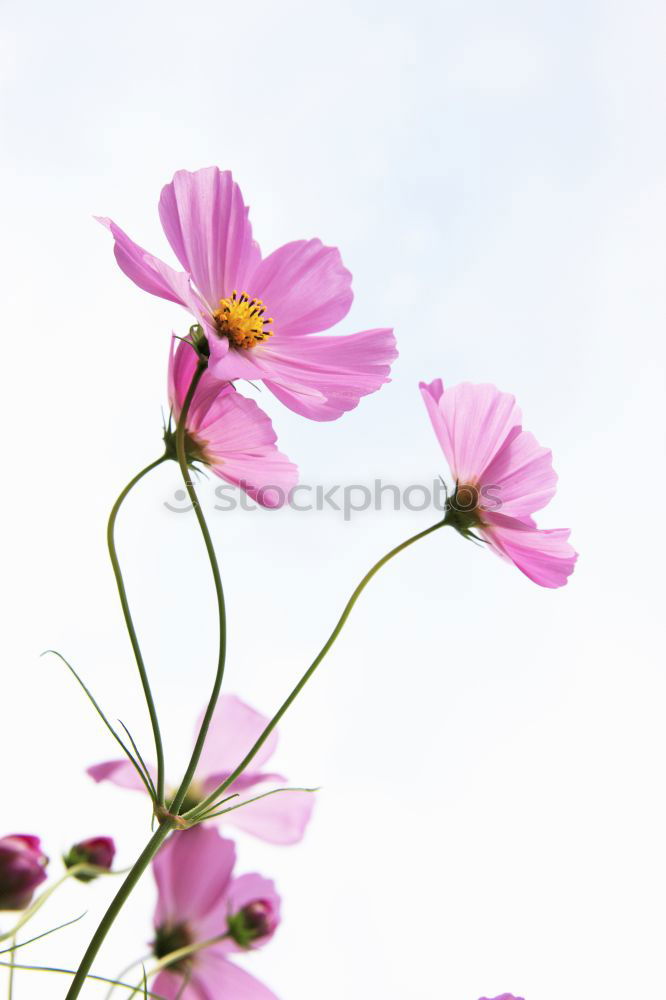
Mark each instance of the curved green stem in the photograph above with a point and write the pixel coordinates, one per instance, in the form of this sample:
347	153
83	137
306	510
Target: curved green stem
159	750
117	903
219	592
199	810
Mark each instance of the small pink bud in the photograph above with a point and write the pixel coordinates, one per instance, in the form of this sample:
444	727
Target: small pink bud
96	851
256	920
22	864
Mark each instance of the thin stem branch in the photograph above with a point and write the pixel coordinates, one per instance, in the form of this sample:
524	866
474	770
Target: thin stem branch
72	872
110	536
219	592
202	807
12	967
117	903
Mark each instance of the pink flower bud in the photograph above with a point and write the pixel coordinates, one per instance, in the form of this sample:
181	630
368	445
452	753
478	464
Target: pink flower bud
96	851
254	922
22	865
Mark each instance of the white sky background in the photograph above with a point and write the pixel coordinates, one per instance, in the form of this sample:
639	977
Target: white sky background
492	755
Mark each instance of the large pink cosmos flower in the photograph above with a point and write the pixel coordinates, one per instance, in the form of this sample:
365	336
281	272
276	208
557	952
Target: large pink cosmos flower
280	818
502	477
227	432
200	900
259	314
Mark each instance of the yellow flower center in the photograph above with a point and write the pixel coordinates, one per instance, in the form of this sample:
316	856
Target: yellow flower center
241	319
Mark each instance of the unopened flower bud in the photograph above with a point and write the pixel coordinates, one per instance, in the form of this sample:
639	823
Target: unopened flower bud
255	921
22	864
98	852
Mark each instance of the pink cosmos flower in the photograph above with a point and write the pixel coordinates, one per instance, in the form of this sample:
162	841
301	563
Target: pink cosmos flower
259	314
279	819
22	869
502	477
227	432
200	900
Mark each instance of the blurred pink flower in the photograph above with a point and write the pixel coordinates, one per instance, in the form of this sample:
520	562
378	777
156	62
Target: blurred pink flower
198	900
502	477
22	869
502	996
280	819
228	433
259	314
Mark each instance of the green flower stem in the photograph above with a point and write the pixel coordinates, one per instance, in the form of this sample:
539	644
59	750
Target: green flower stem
194	815
219	592
11	969
125	971
70	972
159	750
117	903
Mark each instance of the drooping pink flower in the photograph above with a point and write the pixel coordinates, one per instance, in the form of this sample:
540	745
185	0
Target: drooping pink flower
502	477
280	818
199	900
227	432
259	315
22	869
96	851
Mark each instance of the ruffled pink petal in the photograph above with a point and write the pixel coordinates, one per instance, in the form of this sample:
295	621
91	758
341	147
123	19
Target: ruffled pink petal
121	773
304	286
233	730
192	871
472	423
207	225
280	819
546	557
150	273
219	979
317	377
521	476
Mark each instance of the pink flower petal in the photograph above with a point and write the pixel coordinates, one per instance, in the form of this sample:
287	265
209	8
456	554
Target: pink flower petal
304	286
280	819
472	423
521	476
121	773
225	981
546	557
148	272
233	730
317	377
207	225
192	871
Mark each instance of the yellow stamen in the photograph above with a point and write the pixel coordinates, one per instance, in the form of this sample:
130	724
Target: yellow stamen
240	318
